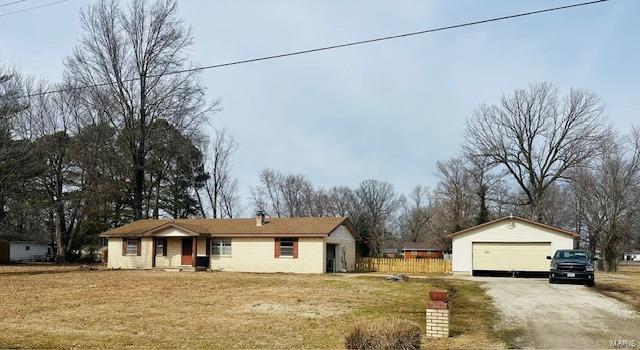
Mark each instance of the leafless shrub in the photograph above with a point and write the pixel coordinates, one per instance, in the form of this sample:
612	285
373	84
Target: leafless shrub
384	334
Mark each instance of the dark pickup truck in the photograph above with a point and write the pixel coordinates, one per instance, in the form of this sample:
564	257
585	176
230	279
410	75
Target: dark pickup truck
571	265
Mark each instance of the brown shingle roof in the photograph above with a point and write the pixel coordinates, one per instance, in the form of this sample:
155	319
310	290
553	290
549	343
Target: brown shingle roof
311	227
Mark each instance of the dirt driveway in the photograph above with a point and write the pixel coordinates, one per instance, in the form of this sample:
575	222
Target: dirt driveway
561	315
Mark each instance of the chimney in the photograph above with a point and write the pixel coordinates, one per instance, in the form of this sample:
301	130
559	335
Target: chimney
259	218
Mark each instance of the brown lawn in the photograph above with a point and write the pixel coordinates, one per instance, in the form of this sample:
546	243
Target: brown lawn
64	307
624	285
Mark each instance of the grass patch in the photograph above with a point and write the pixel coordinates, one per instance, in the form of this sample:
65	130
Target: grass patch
624	285
150	309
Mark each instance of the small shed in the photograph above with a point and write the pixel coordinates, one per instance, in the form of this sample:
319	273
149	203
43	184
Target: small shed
509	244
422	250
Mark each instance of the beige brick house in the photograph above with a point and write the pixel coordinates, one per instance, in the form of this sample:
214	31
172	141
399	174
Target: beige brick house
296	245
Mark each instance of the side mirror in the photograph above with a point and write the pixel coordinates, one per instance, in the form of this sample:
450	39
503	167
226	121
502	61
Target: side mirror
548	257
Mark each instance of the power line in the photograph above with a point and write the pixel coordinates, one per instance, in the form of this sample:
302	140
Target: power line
31	8
326	48
11	3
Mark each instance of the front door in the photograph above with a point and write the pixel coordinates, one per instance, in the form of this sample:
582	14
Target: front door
331	258
187	251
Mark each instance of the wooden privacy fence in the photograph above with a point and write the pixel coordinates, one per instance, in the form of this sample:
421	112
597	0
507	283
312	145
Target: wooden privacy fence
403	266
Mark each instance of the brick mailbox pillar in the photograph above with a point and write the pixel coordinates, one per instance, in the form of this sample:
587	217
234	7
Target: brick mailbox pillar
438	314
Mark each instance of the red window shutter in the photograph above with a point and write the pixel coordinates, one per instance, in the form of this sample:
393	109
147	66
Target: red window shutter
139	246
124	246
164	247
277	248
295	248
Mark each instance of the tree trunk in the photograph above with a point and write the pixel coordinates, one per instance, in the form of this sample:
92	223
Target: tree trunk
138	189
60	230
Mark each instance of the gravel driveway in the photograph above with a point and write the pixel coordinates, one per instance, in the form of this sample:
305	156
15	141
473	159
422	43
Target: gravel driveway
561	315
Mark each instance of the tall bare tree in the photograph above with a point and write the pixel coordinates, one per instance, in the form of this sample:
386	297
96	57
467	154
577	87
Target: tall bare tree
132	50
453	192
416	214
538	137
222	187
607	193
267	195
376	205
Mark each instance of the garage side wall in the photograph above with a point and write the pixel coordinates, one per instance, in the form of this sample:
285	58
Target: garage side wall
504	231
346	248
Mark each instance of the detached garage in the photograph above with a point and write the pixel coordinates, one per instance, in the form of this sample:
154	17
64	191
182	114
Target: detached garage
509	244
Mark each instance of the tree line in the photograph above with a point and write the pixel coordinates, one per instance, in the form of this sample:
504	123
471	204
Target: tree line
122	139
130	146
535	153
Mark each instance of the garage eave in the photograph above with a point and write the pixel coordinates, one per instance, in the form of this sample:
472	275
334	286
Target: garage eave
516	218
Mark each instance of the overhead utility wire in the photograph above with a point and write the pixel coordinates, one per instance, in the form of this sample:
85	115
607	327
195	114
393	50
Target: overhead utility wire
325	48
31	8
11	3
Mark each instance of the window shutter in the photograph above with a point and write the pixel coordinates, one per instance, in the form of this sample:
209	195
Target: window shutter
277	247
139	246
295	248
164	247
207	250
124	246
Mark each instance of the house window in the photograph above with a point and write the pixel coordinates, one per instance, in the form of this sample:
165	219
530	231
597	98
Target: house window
132	246
286	246
414	252
221	246
27	247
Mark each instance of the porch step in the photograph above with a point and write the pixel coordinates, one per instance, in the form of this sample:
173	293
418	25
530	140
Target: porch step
176	269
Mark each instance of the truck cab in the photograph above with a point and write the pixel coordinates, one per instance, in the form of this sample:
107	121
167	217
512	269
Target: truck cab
571	265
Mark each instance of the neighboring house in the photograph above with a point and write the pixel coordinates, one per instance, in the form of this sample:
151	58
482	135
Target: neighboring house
299	245
28	251
422	250
391	253
632	256
508	244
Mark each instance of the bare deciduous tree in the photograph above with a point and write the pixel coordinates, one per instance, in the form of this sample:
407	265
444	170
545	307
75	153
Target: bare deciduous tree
133	50
376	203
415	217
267	195
222	187
453	191
538	137
607	197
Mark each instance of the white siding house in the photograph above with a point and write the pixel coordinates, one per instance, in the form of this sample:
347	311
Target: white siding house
24	250
632	256
507	244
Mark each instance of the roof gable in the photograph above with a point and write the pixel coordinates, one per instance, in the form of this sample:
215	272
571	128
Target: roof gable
516	218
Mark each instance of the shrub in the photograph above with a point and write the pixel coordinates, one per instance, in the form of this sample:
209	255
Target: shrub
384	335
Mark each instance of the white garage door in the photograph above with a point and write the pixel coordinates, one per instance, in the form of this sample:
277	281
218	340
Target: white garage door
507	256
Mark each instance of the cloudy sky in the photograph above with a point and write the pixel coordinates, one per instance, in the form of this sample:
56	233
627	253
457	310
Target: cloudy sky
386	110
